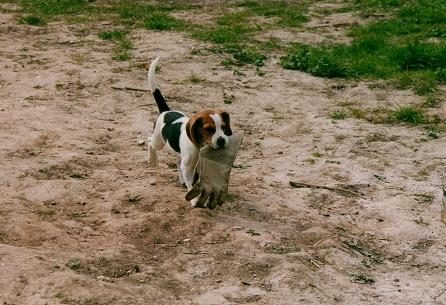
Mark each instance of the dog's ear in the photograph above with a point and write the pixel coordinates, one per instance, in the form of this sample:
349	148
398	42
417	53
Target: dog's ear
227	127
194	130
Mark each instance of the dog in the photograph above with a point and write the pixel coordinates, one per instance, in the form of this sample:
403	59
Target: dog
185	135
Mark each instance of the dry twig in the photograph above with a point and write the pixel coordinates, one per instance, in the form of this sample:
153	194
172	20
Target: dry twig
130	88
334	189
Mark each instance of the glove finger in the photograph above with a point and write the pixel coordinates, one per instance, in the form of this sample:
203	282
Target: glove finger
222	198
213	200
194	192
202	200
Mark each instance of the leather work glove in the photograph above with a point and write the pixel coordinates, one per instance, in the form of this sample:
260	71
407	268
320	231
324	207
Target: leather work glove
212	172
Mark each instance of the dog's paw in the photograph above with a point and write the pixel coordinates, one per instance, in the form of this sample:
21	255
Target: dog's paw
152	160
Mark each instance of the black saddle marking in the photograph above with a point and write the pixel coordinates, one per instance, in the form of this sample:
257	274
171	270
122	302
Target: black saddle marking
171	132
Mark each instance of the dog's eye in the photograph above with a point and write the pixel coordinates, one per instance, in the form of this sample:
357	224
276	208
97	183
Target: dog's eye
209	128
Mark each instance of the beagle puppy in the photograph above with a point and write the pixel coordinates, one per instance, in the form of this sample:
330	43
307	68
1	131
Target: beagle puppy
184	135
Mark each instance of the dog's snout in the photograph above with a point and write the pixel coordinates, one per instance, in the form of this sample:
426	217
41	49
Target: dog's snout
221	142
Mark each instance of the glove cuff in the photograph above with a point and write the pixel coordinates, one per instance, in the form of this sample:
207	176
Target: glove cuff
226	155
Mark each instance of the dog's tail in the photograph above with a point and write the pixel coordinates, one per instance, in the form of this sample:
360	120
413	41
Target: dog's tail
159	98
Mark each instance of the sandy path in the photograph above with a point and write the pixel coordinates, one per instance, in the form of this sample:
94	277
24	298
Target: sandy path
83	220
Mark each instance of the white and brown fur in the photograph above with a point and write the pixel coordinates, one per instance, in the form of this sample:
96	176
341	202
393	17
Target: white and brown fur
185	135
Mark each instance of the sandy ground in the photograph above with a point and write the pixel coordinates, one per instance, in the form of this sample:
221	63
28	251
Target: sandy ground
83	220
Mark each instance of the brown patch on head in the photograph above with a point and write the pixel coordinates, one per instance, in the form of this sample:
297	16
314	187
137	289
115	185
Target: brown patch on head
201	127
226	123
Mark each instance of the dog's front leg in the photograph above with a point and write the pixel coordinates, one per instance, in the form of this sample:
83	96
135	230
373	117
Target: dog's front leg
187	168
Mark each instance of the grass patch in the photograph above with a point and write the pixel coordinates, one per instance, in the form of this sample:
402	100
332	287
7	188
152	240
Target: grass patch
33	20
241	54
234	31
194	78
338	115
162	21
224	34
431	101
362	278
138	14
123	44
409	114
398	48
121	56
234	18
73	264
56	7
316	154
112	35
423	82
288	14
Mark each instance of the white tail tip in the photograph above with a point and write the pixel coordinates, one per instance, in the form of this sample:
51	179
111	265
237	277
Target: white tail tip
151	75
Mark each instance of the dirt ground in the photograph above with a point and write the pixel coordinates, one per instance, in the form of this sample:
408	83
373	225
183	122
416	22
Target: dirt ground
83	220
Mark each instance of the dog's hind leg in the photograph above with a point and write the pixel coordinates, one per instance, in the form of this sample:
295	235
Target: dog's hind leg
155	143
152	157
180	171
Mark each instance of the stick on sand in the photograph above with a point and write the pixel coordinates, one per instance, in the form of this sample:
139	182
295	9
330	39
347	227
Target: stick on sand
334	189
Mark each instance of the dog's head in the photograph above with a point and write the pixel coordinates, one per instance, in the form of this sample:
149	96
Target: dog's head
209	127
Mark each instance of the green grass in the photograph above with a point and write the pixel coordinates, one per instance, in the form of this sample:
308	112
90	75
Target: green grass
288	14
338	115
123	44
225	34
431	101
234	31
121	56
405	114
73	264
409	114
112	35
138	14
234	18
123	11
56	7
162	21
408	47
195	79
423	82
398	48
324	61
33	20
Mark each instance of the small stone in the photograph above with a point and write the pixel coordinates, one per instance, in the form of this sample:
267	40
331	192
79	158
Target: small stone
141	142
104	278
236	228
186	239
152	182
